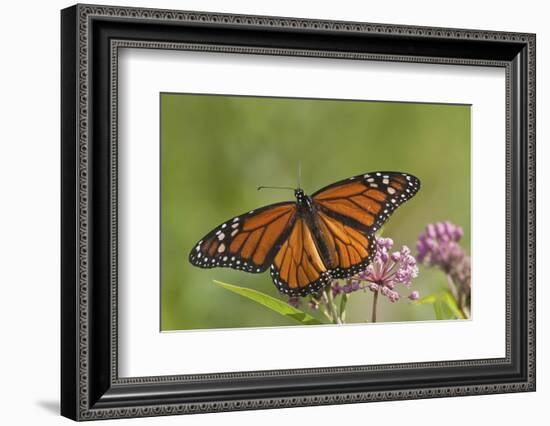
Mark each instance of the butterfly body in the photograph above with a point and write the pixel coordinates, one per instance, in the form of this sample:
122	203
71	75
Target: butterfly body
308	212
309	242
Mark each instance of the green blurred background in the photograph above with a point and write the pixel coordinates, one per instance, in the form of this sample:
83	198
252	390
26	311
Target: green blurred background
215	151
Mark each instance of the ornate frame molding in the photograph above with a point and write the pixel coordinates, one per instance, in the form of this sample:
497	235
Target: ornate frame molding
82	398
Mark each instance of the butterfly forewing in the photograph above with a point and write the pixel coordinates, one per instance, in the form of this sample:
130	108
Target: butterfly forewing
247	242
366	201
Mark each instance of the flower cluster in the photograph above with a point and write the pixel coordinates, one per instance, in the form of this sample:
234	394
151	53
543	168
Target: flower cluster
383	274
350	286
439	246
389	269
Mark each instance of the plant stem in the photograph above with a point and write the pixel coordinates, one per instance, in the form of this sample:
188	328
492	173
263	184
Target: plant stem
343	305
374	305
452	287
326	314
330	304
459	300
325	300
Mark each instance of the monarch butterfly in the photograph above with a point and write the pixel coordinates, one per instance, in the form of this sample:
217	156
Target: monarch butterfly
310	241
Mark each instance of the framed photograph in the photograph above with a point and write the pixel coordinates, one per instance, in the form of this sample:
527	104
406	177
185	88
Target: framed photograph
263	212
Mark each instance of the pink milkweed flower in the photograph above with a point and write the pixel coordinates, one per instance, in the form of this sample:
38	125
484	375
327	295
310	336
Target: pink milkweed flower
439	246
389	269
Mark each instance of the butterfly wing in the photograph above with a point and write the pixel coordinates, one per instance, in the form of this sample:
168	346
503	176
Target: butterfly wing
247	242
350	249
298	268
366	201
352	210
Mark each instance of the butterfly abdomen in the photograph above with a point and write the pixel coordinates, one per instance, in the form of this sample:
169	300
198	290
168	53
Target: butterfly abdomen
309	212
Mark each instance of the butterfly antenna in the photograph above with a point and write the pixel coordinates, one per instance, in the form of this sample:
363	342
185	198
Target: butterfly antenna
275	187
299	173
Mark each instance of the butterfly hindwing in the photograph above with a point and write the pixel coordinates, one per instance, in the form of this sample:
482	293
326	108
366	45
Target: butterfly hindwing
298	268
247	242
350	250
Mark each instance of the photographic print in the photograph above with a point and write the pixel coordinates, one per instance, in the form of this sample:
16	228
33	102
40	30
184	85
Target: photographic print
291	211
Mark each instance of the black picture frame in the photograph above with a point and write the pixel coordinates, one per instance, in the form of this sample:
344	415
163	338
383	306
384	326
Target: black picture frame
90	386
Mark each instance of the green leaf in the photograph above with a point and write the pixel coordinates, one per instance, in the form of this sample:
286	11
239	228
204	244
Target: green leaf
444	304
272	303
426	300
437	310
450	301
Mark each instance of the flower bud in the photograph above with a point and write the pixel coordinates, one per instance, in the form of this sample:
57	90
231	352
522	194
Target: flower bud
414	295
294	301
